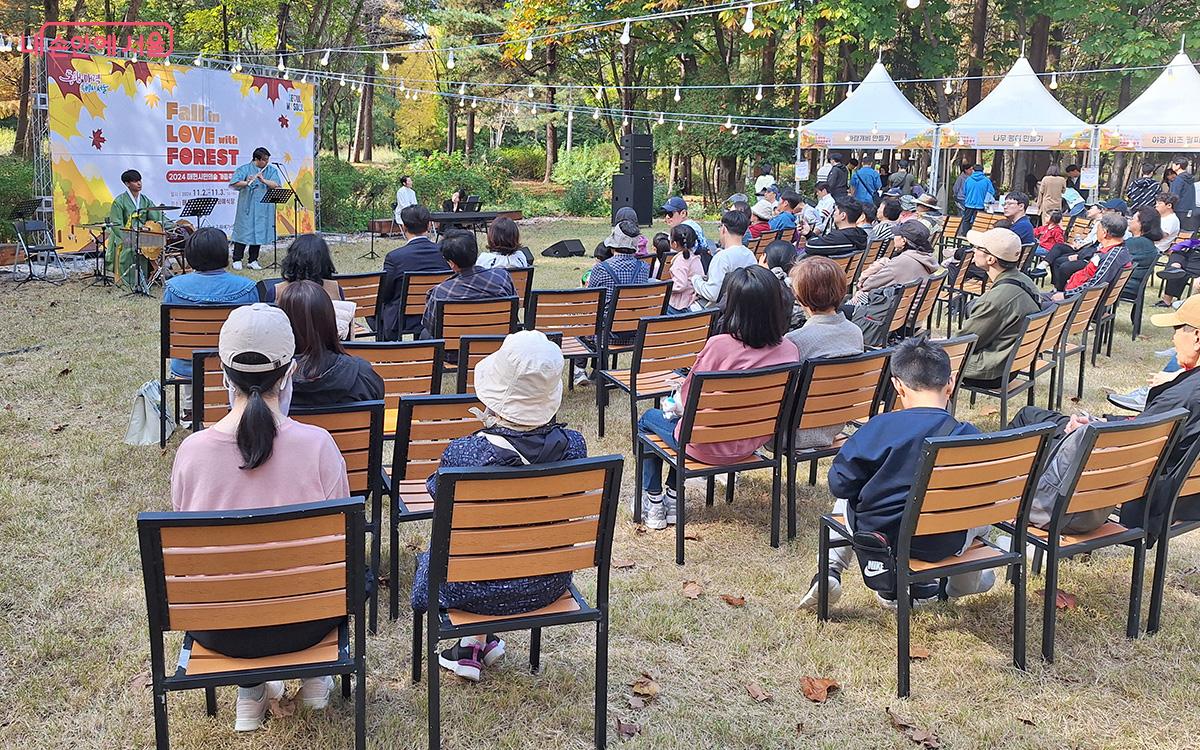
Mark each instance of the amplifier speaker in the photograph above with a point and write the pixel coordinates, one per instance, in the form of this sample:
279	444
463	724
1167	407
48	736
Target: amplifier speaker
636	191
564	249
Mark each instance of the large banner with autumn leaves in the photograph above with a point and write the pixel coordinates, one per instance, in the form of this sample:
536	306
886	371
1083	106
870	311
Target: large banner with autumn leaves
185	128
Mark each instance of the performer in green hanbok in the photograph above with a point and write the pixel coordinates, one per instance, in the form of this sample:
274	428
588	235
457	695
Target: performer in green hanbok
254	221
128	212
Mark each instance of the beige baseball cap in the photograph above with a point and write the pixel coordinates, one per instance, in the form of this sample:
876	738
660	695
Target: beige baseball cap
258	328
1187	314
1002	243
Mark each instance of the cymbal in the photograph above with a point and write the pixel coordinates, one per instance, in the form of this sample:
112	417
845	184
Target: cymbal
99	224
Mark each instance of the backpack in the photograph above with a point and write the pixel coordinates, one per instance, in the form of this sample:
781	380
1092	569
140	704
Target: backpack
874	315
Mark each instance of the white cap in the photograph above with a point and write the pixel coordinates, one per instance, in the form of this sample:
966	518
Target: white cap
522	381
763	209
258	328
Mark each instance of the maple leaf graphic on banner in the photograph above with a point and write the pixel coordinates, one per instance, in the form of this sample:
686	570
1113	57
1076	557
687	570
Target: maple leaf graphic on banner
273	86
98	139
283	121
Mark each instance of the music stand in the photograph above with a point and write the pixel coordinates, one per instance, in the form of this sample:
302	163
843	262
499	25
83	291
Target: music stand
101	273
275	196
22	212
198	208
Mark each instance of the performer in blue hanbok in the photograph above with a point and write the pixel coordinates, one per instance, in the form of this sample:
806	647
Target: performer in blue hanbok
254	222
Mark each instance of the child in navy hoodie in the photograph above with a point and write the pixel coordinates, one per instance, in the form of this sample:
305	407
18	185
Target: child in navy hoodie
871	476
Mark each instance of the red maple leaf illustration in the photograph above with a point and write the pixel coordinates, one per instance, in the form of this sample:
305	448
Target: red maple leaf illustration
141	70
283	121
98	139
273	86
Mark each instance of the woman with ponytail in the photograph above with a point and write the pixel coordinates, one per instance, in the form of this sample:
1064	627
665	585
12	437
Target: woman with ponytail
256	457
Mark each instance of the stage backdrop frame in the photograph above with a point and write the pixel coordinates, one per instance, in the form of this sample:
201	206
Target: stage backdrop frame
185	128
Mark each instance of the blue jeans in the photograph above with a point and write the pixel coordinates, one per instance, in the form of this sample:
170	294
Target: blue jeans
1173	365
657	423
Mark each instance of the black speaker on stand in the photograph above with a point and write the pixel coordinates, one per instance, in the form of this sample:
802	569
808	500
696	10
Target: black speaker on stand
634	185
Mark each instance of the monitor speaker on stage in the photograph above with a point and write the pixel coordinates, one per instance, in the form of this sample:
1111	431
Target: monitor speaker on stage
564	249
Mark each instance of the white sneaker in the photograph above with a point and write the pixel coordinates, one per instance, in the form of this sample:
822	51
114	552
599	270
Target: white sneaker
255	266
809	602
237	265
669	501
581	377
251	711
314	692
654	512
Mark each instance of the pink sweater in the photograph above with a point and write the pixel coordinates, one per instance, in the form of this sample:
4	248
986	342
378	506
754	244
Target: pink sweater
721	354
305	466
682	271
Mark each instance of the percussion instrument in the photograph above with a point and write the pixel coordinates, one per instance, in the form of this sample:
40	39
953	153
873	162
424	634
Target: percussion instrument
152	240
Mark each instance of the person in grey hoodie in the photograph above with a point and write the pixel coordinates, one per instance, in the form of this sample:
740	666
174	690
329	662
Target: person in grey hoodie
912	259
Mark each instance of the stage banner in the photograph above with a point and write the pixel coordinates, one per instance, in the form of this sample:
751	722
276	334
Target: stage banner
185	128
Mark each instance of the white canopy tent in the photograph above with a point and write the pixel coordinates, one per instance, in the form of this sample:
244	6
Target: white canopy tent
1018	114
875	115
1166	117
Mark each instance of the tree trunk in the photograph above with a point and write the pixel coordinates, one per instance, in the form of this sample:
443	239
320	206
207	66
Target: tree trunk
1115	178
816	70
77	11
1039	43
364	136
346	38
551	128
132	12
943	101
470	149
23	145
978	50
451	126
281	22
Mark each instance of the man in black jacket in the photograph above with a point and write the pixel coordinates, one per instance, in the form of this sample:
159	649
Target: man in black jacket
839	177
845	237
419	255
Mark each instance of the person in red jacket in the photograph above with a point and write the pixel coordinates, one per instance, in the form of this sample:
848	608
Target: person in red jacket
1049	234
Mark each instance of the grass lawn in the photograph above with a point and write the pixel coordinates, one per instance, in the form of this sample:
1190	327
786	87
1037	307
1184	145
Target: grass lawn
73	639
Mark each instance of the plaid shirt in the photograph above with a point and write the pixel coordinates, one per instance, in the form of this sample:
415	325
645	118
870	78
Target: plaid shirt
473	283
622	268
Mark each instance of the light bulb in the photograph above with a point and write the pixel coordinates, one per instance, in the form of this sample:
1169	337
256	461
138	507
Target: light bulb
624	122
516	108
735	129
912	4
237	65
304	78
596	113
850	91
949	88
875	129
625	34
474	104
135	55
533	109
791	133
287	75
280	66
462	89
342	79
748	24
197	61
729	122
529	92
679	127
1054	80
758	94
660	118
1171	73
387	64
325	58
529	49
677	97
1033	132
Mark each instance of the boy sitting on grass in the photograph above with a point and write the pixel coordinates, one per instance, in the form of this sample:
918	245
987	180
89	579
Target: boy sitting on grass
871	476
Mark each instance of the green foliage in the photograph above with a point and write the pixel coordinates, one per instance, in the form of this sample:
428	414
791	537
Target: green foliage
585	199
16	184
594	165
522	162
535	204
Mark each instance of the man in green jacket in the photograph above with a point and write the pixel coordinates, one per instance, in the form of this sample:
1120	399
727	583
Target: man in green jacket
995	317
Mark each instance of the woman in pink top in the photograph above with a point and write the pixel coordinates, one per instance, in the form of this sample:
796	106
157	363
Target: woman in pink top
755	321
684	266
256	457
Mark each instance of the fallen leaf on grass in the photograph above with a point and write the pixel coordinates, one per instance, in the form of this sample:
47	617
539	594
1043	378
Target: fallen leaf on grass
636	701
692	589
817	689
923	737
58	428
645	686
64	371
282	706
412	546
733	601
800	727
1026	722
628	730
639	529
1075	399
620	564
918	652
141	680
1062	599
692	536
384	582
757	693
989	411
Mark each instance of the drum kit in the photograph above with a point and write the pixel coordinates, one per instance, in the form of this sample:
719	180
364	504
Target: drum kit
158	242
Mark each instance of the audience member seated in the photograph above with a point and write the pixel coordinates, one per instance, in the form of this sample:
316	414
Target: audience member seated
1164	204
1049	234
823	212
520	387
912	258
684	265
995	317
418	255
600	255
469	280
886	217
872	474
1015	205
1104	266
325	374
754	322
1183	265
820	287
504	248
780	259
623	267
1146	229
844	238
1172	390
256	457
627	214
761	214
1066	259
732	255
307	259
927	212
207	252
786	216
676	212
